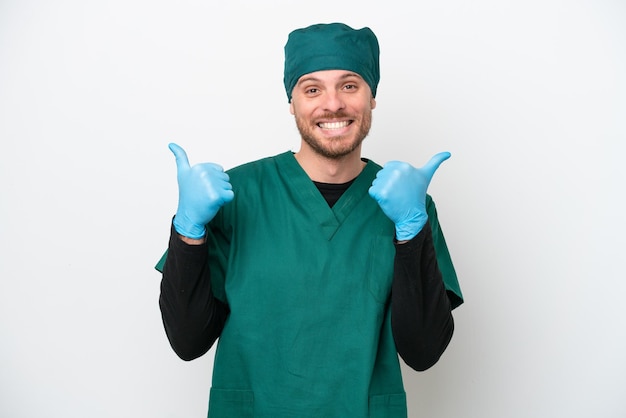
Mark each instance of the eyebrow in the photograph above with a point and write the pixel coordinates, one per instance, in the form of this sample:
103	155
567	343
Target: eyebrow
311	78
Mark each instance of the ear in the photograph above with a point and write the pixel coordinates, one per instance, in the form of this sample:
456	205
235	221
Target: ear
373	103
291	109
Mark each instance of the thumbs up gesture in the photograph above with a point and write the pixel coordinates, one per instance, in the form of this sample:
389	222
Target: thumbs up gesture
202	190
400	190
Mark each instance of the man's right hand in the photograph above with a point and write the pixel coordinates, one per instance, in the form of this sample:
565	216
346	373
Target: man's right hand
202	190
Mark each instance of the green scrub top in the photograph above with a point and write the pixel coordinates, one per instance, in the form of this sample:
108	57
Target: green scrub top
309	330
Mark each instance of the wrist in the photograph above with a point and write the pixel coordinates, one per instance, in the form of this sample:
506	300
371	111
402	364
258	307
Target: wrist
407	230
188	229
191	241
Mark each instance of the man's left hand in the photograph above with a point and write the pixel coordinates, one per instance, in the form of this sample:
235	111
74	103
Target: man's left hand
400	190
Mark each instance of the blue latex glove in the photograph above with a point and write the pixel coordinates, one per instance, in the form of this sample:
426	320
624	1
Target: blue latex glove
400	190
202	190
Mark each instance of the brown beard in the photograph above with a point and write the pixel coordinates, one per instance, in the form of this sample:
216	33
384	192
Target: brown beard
307	134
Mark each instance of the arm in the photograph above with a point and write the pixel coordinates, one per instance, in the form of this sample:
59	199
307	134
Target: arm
421	316
192	317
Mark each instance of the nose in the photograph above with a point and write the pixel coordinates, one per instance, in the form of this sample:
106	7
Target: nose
333	101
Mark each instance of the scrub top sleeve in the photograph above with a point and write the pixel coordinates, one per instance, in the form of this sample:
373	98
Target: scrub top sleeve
161	263
444	260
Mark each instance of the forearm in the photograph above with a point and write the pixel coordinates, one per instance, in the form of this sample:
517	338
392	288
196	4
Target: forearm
421	315
193	318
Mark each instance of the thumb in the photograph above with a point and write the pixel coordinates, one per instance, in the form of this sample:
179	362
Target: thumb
433	164
182	162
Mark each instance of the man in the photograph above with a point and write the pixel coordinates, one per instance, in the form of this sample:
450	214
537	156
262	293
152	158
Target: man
314	269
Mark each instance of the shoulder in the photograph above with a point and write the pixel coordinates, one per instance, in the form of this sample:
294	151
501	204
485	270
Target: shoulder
372	164
253	169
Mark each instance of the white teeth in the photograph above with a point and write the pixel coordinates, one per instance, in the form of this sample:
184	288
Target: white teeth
333	125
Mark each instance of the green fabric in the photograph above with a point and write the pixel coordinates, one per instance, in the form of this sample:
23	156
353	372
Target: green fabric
332	46
444	261
309	333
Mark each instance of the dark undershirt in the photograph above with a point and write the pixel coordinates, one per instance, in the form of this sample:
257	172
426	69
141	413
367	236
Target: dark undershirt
422	322
331	191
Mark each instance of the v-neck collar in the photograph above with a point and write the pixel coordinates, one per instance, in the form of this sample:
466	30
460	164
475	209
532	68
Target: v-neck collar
329	219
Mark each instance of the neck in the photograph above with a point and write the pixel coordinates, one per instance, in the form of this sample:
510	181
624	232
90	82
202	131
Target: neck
330	170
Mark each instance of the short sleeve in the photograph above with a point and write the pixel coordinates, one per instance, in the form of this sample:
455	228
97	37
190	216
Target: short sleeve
444	260
161	263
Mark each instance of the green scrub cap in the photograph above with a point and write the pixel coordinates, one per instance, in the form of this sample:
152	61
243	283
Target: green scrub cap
333	46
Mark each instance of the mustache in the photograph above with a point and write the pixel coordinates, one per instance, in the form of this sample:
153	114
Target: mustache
334	115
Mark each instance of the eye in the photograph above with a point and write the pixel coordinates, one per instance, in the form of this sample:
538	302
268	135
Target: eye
350	87
311	90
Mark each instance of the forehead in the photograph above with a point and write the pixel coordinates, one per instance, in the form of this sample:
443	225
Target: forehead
329	76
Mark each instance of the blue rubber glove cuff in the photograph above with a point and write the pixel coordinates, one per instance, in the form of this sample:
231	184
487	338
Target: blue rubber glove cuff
187	228
409	228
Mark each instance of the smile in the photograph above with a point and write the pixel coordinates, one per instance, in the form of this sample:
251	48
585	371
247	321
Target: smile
334	125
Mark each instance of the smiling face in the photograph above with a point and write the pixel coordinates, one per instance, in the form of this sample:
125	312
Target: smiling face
333	111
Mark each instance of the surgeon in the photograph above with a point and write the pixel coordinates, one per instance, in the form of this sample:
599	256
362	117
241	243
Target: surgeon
314	270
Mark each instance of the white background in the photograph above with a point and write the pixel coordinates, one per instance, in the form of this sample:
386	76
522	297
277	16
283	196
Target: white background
529	96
